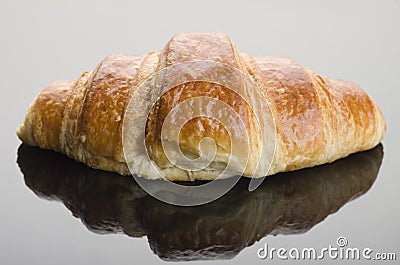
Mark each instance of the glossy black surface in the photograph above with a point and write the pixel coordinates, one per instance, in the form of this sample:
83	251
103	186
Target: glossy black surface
287	203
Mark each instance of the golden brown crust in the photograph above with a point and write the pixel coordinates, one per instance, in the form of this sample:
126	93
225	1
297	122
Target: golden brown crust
198	128
42	124
296	107
216	47
106	98
317	120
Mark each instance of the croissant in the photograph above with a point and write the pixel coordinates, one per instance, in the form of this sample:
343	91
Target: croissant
279	117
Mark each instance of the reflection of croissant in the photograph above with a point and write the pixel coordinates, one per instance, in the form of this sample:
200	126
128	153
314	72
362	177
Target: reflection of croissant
317	120
286	204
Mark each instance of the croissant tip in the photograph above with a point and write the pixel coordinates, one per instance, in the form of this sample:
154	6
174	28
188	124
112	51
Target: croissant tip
20	133
23	134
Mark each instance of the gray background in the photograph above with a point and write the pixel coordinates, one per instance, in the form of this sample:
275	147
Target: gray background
43	41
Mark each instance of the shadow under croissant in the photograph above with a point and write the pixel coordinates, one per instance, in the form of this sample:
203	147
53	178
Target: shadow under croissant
286	203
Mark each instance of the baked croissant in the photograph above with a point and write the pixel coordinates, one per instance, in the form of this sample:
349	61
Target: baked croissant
315	120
